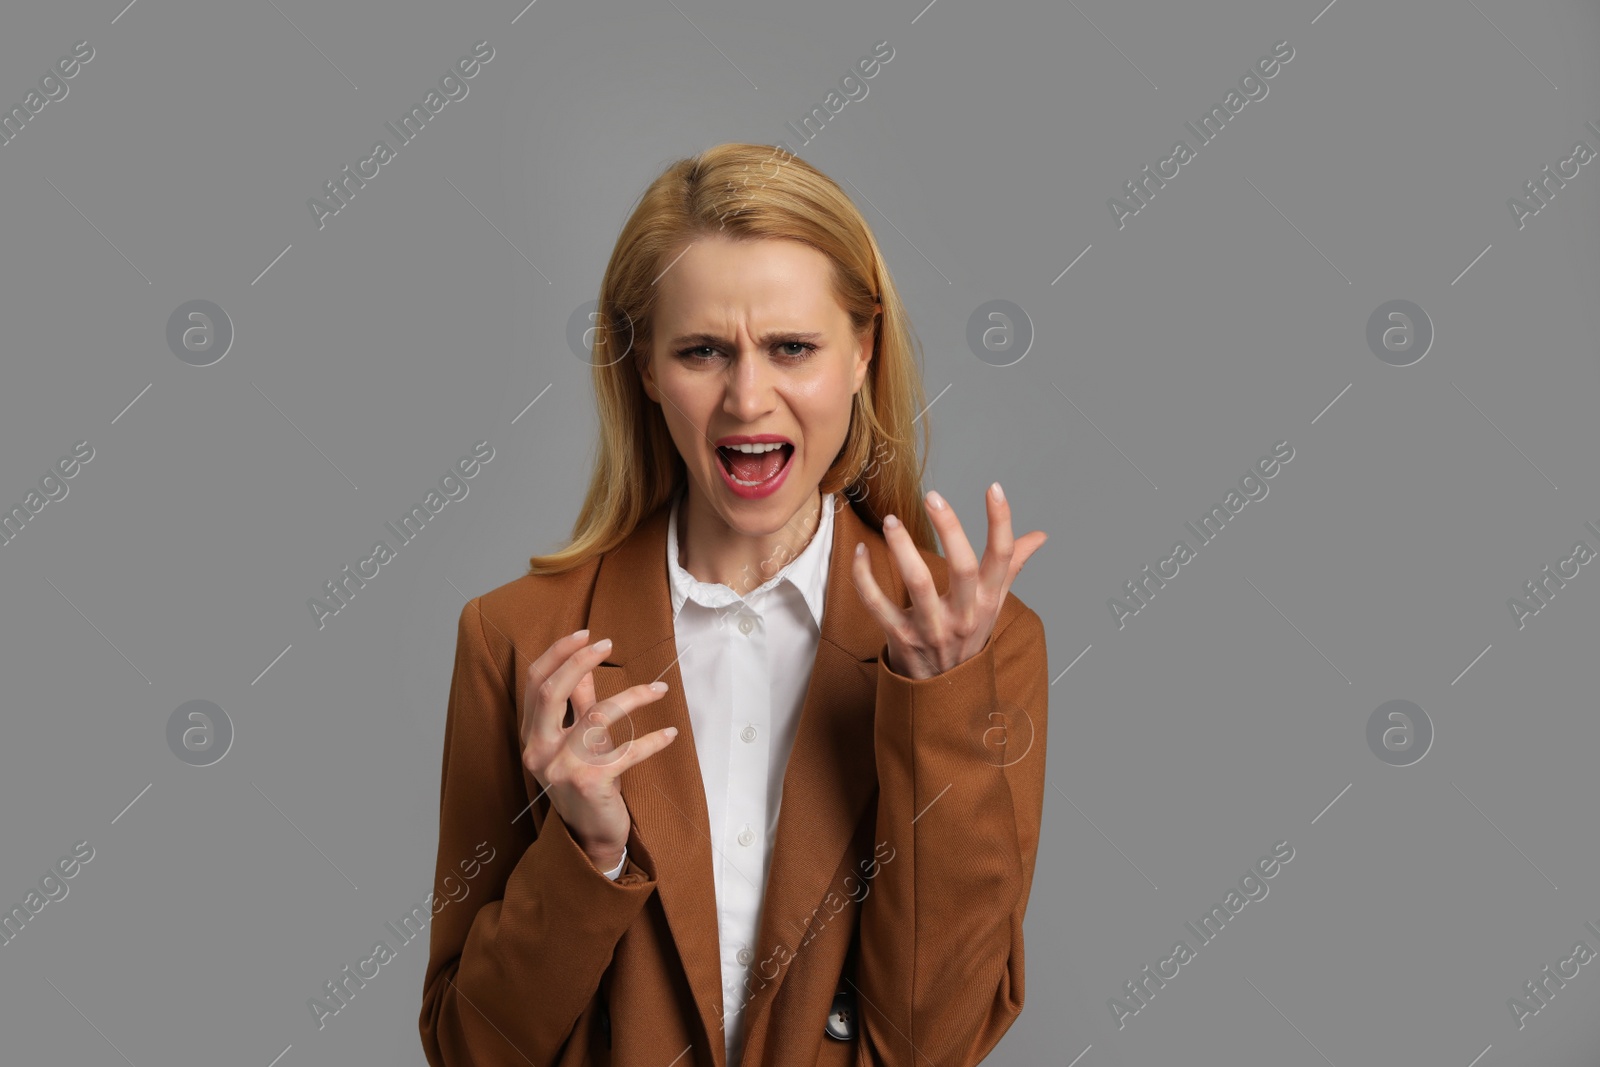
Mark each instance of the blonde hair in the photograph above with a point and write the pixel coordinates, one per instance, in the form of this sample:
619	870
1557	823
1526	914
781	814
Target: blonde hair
746	192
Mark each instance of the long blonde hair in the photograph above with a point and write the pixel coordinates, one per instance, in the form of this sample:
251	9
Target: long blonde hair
746	192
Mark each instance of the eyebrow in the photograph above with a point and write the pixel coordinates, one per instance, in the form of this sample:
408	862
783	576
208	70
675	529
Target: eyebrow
768	338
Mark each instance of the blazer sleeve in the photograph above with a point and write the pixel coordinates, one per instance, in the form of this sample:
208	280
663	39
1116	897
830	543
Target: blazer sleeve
961	765
514	963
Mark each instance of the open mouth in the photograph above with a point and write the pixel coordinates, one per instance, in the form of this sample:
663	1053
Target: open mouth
752	469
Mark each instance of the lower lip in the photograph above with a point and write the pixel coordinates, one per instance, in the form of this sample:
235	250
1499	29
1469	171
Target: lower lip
766	488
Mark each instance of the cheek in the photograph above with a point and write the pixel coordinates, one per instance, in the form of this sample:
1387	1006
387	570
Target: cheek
825	397
685	402
826	404
689	405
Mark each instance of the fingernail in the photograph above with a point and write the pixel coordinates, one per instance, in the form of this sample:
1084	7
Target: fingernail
672	731
935	501
890	522
660	687
581	633
999	493
604	642
861	548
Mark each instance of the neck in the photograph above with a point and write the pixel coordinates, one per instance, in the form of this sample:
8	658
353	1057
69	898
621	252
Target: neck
715	553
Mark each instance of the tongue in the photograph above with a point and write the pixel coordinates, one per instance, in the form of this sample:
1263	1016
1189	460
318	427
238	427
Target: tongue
755	467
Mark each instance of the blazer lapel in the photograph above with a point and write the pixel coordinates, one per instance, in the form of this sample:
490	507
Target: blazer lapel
830	775
665	795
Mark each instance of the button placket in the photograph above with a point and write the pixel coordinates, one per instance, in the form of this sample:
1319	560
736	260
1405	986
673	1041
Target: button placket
749	764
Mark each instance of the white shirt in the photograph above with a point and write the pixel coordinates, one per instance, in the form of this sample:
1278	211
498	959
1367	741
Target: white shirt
745	663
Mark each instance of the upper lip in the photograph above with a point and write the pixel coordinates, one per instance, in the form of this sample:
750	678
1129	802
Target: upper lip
753	439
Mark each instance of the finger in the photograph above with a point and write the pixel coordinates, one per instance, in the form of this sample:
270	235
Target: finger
927	613
582	695
888	614
995	571
1025	548
551	679
590	737
606	713
640	749
538	670
962	561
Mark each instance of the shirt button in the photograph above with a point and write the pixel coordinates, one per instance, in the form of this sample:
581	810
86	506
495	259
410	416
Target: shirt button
745	625
746	836
748	733
745	956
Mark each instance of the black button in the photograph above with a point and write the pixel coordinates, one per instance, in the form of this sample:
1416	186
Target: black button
842	1018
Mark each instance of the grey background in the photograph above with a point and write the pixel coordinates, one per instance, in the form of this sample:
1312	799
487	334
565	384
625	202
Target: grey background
1225	317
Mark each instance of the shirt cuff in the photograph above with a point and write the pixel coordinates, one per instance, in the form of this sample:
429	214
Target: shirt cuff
616	871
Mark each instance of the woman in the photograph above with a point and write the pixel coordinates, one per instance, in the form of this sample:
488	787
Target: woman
834	866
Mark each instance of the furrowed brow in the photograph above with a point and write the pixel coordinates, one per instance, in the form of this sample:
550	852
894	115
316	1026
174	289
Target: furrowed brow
771	337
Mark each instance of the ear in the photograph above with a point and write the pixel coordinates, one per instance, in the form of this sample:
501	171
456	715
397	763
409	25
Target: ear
864	346
646	368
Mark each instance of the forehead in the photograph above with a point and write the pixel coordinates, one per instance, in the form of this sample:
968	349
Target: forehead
717	279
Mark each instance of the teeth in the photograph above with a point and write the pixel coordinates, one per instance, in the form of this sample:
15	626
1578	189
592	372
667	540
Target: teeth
752	450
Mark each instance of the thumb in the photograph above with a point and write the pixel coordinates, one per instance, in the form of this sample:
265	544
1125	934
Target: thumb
583	696
1023	551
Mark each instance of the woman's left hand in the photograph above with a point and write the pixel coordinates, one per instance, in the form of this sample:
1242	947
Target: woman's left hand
940	632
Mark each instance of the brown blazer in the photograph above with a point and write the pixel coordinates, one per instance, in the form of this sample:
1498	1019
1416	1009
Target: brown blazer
901	864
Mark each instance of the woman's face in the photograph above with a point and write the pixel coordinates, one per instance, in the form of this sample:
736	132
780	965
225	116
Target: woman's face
749	341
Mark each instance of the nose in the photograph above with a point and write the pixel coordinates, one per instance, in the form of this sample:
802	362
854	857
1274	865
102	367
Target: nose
749	393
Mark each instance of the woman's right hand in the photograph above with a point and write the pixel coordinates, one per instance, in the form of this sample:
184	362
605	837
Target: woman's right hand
578	765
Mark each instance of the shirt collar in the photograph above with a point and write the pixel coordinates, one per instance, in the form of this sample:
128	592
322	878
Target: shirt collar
807	572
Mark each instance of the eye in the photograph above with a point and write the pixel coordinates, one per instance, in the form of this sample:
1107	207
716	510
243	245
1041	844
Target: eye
706	353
